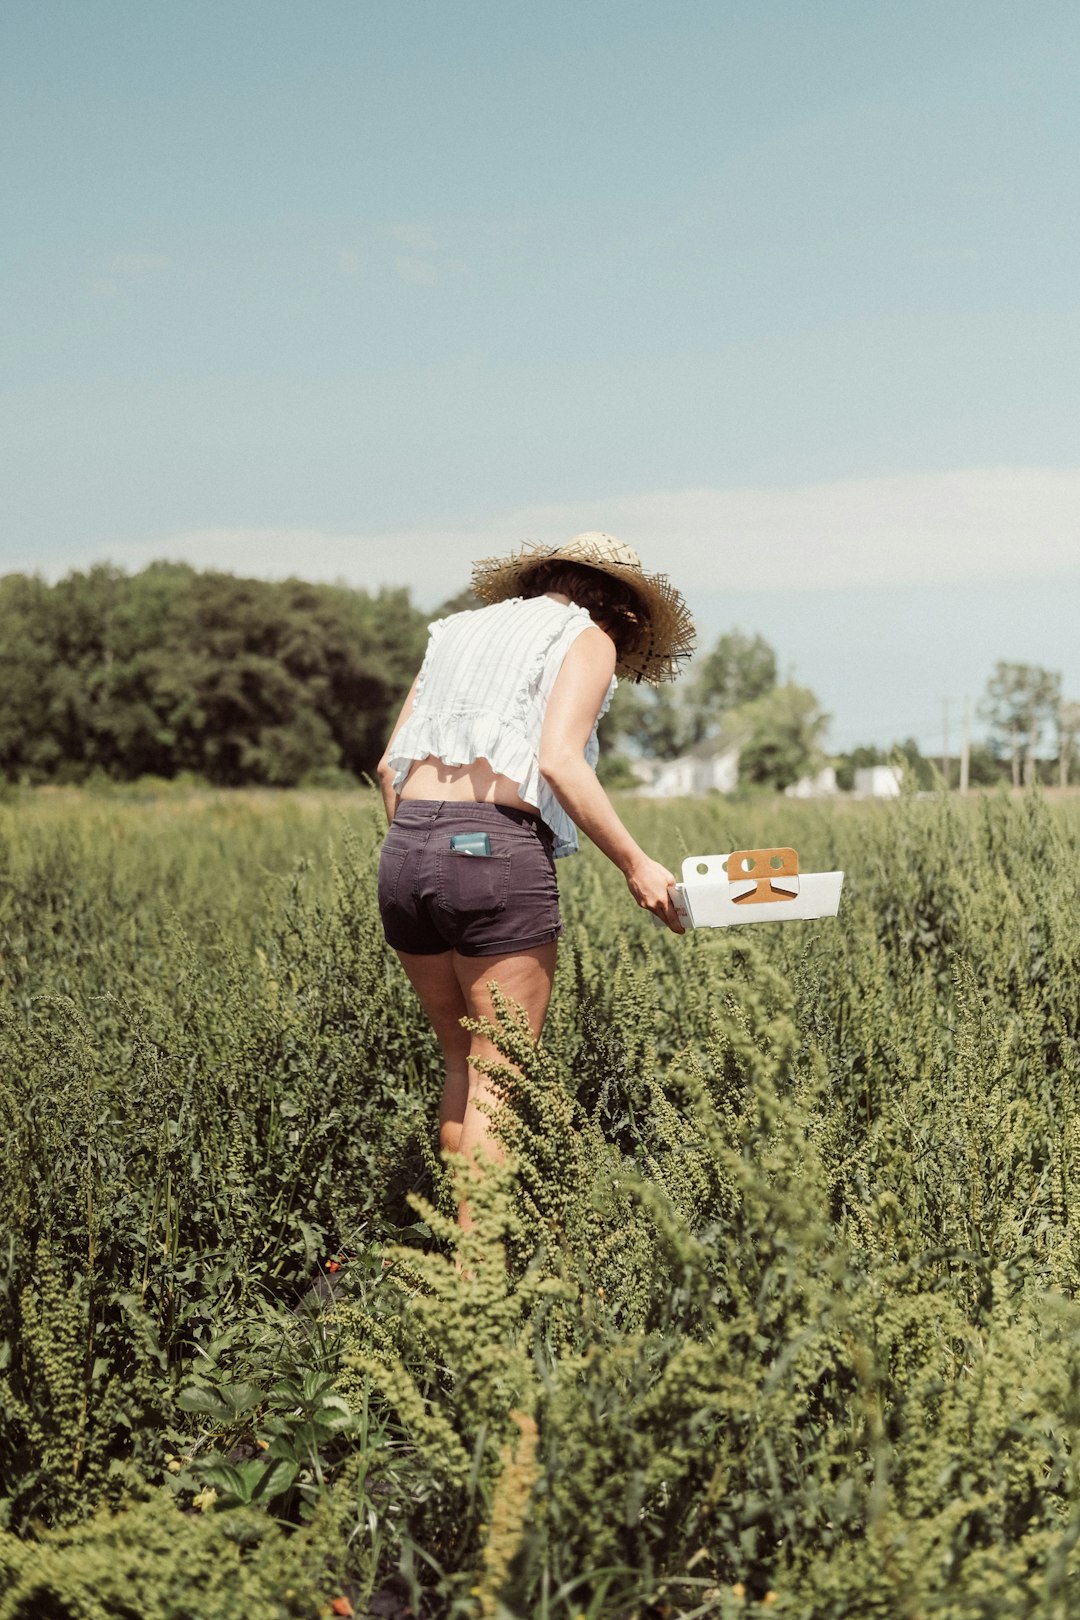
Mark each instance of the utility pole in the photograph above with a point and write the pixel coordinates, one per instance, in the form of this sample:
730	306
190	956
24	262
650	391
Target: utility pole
945	762
965	747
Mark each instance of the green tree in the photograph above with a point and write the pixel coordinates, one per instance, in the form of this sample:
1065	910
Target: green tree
784	729
238	680
858	758
911	757
269	682
662	722
27	673
739	670
374	651
652	720
1067	721
1020	700
985	769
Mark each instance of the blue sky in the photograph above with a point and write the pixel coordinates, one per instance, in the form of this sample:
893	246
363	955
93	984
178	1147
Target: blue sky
785	294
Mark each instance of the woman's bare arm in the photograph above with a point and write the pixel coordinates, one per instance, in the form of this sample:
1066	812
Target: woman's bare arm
384	770
576	698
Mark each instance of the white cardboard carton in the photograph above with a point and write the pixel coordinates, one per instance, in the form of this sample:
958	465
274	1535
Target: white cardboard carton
764	885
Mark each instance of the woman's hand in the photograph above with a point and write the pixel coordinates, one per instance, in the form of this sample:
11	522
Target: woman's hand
576	698
649	883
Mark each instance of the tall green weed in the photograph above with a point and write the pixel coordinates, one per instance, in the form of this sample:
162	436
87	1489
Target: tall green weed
774	1302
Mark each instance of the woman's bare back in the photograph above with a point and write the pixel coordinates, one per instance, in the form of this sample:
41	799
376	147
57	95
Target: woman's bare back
475	783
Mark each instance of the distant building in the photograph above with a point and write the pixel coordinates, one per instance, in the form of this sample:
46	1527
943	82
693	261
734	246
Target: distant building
878	781
821	786
711	767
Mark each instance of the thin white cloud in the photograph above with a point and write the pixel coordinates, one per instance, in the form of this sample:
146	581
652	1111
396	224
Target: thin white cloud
417	271
348	261
413	235
123	268
976	526
415	251
136	264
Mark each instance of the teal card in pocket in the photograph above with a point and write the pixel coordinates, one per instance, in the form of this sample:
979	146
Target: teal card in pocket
471	843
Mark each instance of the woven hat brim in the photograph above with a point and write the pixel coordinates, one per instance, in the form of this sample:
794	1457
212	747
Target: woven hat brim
664	645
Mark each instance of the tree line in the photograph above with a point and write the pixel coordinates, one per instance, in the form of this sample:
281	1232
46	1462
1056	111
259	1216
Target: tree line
731	694
1032	735
244	681
172	670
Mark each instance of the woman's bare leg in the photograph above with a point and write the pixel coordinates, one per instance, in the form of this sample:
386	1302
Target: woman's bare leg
451	987
526	978
436	983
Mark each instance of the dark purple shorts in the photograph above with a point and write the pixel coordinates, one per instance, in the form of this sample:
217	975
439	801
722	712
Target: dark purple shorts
433	898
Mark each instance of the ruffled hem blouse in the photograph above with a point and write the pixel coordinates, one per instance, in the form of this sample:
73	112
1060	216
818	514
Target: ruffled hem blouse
483	691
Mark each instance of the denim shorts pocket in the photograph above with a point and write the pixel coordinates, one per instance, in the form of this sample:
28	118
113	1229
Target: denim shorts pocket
468	884
395	852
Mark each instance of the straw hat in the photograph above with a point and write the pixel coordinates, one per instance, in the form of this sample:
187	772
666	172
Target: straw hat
668	635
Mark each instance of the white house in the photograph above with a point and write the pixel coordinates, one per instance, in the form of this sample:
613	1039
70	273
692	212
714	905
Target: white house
821	786
878	781
711	767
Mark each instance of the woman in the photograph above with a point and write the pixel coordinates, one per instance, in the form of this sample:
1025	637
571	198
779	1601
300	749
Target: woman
486	773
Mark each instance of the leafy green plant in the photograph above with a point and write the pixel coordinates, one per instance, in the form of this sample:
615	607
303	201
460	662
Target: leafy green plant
293	1426
772	1308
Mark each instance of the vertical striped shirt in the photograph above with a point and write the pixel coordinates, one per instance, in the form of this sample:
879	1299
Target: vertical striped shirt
482	694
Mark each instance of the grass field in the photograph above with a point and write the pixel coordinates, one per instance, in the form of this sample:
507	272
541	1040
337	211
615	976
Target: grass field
773	1311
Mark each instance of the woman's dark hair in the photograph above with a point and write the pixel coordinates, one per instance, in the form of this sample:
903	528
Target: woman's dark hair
613	605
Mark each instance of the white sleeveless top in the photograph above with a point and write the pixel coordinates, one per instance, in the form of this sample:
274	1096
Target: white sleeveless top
483	692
